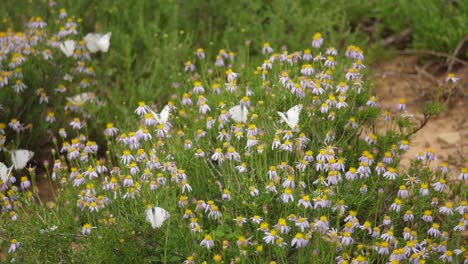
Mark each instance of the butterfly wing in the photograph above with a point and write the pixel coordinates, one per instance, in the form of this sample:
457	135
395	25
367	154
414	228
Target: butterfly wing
103	42
4	172
238	113
150	216
161	215
68	47
90	41
81	98
293	115
21	157
164	115
245	112
156	116
284	118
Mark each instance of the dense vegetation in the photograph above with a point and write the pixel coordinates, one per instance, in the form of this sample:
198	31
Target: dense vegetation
169	146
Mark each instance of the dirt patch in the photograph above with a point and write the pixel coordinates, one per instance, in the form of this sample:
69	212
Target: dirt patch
46	189
406	77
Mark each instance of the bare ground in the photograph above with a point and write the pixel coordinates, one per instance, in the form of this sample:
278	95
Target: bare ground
405	76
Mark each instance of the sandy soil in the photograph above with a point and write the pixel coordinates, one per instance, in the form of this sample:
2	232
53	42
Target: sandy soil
405	77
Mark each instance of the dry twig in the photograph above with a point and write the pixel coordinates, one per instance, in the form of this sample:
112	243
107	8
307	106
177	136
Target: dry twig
396	38
429	76
455	53
434	53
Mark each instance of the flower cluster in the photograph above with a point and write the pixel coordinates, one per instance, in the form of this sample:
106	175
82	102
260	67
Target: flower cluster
274	162
44	70
308	178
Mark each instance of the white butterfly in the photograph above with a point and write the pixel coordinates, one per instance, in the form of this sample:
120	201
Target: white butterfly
20	158
95	42
4	172
68	47
239	113
156	216
291	117
81	98
162	117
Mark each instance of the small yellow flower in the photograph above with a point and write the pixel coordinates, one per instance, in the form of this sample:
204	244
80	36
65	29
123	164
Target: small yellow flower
217	258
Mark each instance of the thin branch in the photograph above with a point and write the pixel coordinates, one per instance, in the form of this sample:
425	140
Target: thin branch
434	53
455	146
455	53
423	72
423	124
396	37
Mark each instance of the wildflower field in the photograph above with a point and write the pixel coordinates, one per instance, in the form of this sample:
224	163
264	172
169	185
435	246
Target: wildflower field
215	132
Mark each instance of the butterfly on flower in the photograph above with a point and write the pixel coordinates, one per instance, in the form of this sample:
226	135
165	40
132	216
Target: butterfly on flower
156	216
20	158
291	117
68	47
162	117
239	113
4	172
95	42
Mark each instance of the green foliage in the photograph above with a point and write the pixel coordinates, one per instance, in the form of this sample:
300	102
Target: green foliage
435	25
432	109
103	218
350	175
40	84
152	38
